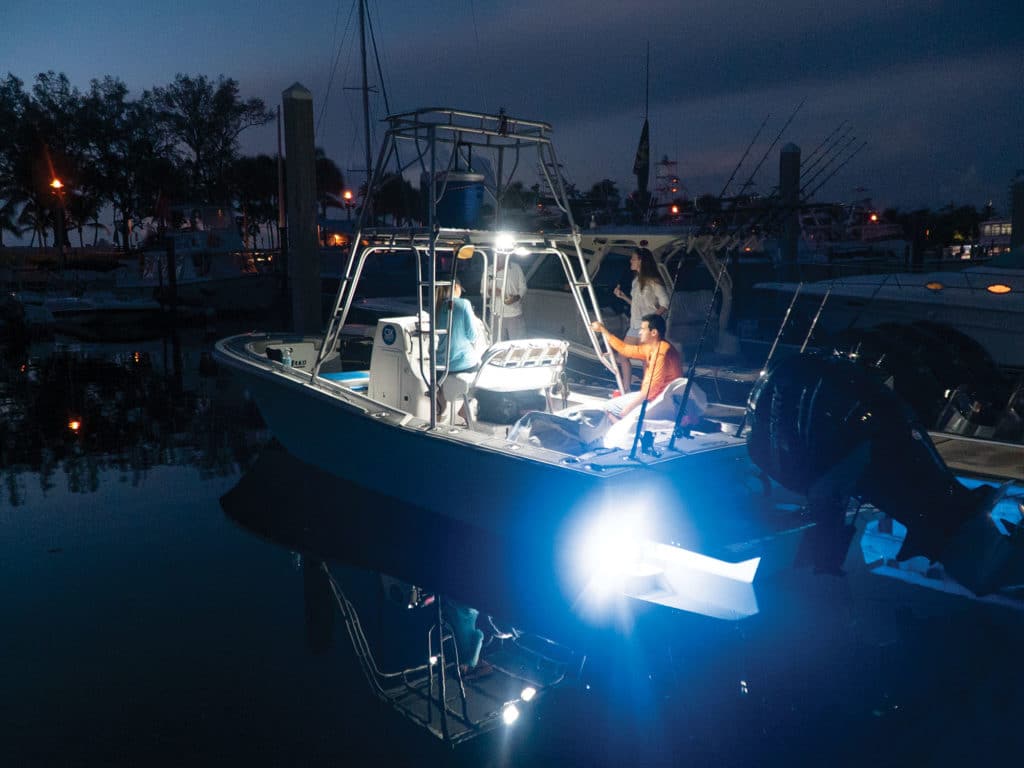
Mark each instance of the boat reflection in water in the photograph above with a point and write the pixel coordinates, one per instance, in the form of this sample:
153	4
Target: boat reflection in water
426	646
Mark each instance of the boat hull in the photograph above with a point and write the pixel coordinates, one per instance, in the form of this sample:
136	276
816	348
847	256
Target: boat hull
707	497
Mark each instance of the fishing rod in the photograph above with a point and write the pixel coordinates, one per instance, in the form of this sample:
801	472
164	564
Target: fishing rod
677	429
838	168
808	165
814	322
744	157
643	406
824	167
824	142
771	351
771	146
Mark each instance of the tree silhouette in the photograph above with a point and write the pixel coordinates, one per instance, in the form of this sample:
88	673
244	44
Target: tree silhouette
204	120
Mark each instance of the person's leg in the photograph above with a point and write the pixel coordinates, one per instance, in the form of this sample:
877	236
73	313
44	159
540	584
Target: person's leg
515	327
618	406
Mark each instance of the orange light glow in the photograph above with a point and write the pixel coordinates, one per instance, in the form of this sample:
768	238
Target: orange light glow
74	425
998	288
874	217
675	210
933	286
57	184
347	194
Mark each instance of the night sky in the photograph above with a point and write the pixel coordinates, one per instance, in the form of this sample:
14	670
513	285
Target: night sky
935	88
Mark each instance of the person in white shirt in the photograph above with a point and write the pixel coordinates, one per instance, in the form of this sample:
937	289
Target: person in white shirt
507	301
646	297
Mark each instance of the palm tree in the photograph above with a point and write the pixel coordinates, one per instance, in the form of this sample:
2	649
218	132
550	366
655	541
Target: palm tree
9	219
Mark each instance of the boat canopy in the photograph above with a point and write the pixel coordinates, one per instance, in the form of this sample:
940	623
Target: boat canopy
447	143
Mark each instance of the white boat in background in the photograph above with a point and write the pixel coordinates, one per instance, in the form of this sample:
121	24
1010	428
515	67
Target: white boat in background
644	507
986	302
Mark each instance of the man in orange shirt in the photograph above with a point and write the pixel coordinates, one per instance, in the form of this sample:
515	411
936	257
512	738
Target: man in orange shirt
662	362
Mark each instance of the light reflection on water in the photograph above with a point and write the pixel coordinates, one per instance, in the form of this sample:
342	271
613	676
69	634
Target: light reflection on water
153	612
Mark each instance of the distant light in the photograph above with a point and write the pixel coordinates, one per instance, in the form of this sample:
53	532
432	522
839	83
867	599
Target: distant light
675	210
504	242
347	195
934	286
57	184
998	288
874	217
74	425
510	714
528	693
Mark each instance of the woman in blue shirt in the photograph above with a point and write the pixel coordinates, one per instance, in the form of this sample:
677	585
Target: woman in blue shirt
458	332
461	337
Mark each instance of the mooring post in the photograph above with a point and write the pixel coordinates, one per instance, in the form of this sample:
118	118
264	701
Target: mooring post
303	253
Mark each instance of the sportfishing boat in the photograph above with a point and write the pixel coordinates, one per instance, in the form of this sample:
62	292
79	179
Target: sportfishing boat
986	302
668	503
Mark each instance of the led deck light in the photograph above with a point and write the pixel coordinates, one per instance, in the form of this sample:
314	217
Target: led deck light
510	714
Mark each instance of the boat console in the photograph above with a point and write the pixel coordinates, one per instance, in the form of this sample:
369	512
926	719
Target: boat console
400	365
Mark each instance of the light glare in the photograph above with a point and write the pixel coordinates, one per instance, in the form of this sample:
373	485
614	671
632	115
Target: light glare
528	693
504	242
510	714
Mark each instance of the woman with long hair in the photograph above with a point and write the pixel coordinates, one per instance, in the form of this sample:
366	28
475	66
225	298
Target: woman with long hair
647	296
457	351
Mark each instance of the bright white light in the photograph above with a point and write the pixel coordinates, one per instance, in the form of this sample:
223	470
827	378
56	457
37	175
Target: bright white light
510	714
612	549
521	251
528	693
433	660
504	242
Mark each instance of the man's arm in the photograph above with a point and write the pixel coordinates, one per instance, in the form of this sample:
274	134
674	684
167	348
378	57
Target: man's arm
632	351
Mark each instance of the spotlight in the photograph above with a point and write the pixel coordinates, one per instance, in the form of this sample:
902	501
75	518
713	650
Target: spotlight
528	693
510	714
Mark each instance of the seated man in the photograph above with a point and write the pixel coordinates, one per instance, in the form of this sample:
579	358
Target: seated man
662	363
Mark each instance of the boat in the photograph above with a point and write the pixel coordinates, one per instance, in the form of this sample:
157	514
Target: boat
675	488
984	301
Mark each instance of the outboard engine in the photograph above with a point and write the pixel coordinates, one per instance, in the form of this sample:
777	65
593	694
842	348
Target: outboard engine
828	428
948	378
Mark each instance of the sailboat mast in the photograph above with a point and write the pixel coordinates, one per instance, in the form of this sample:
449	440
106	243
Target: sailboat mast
366	89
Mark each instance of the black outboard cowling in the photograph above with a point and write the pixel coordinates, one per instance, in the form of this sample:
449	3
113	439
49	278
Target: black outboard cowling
830	429
948	378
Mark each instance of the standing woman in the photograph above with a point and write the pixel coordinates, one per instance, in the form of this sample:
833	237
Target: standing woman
647	296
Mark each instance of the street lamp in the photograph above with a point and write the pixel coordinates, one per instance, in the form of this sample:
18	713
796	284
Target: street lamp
58	228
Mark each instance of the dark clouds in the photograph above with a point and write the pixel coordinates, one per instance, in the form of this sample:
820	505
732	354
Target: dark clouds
935	88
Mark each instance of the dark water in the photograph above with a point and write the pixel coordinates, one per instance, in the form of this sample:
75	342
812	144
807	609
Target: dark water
156	610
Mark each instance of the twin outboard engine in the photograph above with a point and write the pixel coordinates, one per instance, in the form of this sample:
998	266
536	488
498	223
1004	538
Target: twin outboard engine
828	428
948	378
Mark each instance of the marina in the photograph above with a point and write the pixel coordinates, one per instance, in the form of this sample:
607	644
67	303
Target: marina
476	399
160	612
